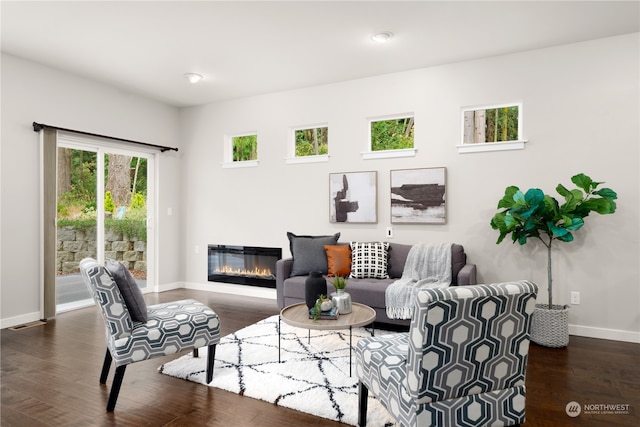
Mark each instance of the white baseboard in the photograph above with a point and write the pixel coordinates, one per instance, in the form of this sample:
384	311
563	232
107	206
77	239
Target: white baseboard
167	287
229	288
19	320
70	306
604	334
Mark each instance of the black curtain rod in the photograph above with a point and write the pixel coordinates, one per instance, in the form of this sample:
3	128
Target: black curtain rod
37	127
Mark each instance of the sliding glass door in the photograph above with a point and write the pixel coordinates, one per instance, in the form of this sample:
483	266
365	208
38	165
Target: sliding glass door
103	197
76	223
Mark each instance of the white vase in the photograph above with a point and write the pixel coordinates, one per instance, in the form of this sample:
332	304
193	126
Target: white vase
326	305
341	300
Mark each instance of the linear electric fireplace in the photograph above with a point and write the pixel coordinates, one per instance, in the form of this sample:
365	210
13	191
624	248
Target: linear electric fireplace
243	265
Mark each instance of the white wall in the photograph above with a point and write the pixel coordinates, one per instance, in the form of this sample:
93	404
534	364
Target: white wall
581	114
31	92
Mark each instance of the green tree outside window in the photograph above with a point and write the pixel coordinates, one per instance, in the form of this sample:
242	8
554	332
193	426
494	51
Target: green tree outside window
393	134
245	148
312	142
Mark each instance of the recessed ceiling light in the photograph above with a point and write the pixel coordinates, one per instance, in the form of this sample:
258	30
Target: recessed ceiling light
193	77
382	37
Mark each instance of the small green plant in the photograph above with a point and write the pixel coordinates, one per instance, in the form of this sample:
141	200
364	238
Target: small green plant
339	282
128	227
79	225
109	206
138	201
317	309
88	212
139	214
535	214
63	210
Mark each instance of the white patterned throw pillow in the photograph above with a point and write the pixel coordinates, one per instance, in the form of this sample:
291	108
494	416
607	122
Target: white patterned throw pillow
369	260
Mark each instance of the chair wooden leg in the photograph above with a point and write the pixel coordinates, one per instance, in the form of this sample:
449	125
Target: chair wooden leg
115	388
363	394
105	367
211	356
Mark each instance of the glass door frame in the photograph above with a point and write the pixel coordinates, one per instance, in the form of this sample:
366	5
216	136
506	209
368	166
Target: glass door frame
102	147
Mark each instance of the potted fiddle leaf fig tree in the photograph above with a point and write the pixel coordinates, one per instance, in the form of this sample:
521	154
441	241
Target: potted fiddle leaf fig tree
536	215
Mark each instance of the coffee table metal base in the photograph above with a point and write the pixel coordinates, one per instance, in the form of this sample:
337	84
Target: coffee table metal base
297	315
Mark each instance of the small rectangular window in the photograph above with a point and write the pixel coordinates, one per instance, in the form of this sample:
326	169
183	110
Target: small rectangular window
245	148
311	141
501	123
395	133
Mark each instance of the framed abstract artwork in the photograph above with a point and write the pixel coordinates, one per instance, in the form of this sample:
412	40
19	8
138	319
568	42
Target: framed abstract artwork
353	197
418	196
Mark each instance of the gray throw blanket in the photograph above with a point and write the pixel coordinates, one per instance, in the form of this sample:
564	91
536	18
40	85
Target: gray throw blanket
427	266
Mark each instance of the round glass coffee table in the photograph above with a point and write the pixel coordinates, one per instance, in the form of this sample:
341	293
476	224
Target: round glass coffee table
297	315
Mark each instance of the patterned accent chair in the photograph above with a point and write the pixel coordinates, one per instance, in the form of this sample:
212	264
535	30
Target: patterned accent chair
171	327
462	363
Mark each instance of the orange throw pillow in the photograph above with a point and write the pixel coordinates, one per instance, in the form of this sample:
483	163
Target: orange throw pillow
338	260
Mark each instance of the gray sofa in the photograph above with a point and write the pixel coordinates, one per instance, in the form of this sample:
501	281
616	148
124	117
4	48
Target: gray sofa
290	289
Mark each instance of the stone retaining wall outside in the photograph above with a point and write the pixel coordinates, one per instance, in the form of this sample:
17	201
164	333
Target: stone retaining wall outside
74	245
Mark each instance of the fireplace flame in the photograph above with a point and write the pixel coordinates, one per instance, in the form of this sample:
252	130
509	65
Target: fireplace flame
256	272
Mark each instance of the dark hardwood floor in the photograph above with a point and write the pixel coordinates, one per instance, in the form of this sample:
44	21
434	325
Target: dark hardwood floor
49	377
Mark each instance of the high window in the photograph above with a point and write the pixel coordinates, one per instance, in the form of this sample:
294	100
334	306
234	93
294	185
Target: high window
245	148
312	141
308	144
241	150
495	127
391	136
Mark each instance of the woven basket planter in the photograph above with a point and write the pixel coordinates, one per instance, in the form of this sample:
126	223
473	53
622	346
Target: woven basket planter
550	327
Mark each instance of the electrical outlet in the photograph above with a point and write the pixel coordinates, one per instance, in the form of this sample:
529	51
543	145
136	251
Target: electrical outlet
575	298
389	233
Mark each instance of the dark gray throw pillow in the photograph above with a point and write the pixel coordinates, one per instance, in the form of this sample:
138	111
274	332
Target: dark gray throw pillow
398	254
308	253
129	289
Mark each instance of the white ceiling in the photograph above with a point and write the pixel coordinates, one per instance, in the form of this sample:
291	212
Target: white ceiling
248	48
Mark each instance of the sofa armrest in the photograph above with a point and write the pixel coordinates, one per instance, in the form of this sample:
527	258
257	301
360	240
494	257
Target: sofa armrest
467	275
283	272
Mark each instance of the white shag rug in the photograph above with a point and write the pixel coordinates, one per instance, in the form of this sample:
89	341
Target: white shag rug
313	377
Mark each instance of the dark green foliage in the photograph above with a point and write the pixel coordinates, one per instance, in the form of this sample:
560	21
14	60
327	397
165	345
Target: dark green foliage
245	148
502	124
392	134
312	142
538	215
139	178
83	182
83	174
534	213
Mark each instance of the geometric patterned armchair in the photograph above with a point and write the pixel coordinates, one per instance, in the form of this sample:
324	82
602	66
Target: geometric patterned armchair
170	328
462	363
